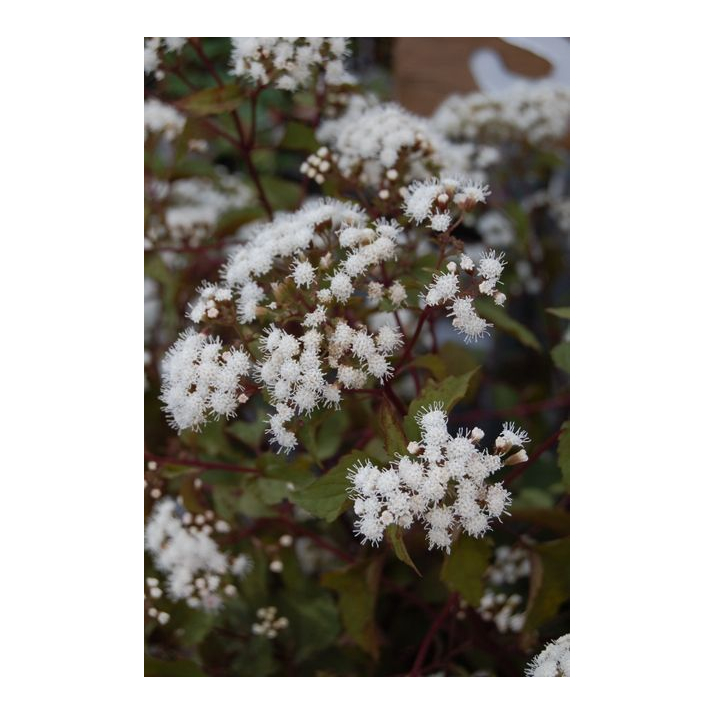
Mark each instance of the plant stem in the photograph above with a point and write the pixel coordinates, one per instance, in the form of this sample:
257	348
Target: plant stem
431	633
205	465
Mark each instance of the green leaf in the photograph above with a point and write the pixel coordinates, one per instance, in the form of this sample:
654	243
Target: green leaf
257	658
450	391
248	432
561	312
434	364
357	587
281	479
229	502
503	321
299	137
314	620
215	100
464	567
329	434
560	356
395	536
458	359
563	454
282	194
321	435
156	667
391	429
172	470
194	626
326	497
549	581
537	498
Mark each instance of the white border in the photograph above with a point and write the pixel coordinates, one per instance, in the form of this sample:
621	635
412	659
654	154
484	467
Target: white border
71	354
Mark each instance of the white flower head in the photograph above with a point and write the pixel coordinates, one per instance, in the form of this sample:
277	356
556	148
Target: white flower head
553	660
420	486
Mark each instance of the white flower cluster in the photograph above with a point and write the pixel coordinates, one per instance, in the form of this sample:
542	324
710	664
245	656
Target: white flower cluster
553	660
496	230
269	624
443	485
154	46
383	146
292	370
290	63
511	564
192	207
213	300
183	548
502	610
446	288
535	113
163	119
200	378
435	198
285	241
295	251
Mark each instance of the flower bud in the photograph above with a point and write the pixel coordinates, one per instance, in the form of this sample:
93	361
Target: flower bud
515	458
476	435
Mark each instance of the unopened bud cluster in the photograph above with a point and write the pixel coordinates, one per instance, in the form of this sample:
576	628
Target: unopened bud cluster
269	624
503	610
317	166
154	592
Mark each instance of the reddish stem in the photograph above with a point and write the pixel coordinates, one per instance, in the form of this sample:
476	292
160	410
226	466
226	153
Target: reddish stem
205	465
430	635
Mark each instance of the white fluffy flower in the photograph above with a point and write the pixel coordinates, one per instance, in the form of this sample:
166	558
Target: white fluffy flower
444	288
153	49
420	486
368	140
440	221
536	113
553	660
191	559
162	118
491	265
200	378
303	273
466	320
290	62
210	298
341	286
193	206
397	293
496	230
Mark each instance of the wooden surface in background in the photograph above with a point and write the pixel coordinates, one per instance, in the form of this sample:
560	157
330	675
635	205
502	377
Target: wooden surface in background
428	69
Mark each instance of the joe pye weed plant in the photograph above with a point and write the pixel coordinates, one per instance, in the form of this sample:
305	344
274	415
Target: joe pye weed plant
322	313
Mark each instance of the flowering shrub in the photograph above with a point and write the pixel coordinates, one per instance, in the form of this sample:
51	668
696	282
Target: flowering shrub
332	285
